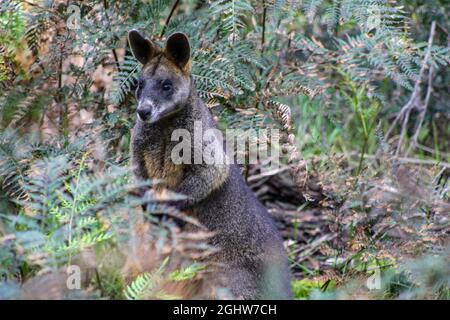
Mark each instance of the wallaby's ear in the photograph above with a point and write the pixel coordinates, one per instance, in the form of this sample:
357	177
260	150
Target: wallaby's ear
178	49
142	48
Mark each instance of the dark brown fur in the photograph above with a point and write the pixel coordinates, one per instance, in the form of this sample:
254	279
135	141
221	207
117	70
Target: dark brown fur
252	262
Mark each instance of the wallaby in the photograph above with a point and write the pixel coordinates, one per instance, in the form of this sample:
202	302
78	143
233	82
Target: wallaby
251	253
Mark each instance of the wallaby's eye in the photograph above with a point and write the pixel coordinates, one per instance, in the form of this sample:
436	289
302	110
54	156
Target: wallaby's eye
167	85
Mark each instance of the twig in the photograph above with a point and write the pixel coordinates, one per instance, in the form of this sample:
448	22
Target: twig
415	97
99	282
312	247
442	28
263	36
432	151
267	174
424	107
116	58
276	65
175	5
427	162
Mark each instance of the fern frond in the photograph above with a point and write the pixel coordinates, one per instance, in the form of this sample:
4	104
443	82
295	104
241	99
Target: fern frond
310	8
332	15
124	80
37	26
186	273
143	286
232	13
15	157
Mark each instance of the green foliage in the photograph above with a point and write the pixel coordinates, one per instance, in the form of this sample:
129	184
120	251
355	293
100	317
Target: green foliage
34	32
145	285
331	74
231	14
125	79
64	208
187	273
11	23
303	289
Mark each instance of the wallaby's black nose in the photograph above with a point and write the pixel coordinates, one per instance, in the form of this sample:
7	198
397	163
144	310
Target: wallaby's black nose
144	114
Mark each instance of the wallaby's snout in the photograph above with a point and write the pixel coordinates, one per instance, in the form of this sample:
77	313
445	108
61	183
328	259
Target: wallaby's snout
144	111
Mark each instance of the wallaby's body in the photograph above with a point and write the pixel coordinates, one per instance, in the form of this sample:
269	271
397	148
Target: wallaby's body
251	254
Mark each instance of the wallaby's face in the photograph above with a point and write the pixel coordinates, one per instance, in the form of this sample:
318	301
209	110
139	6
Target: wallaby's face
164	84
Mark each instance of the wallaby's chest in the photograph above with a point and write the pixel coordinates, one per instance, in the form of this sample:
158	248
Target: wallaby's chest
154	151
159	166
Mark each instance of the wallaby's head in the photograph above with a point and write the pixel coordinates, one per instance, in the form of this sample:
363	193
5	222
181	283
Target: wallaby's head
164	83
